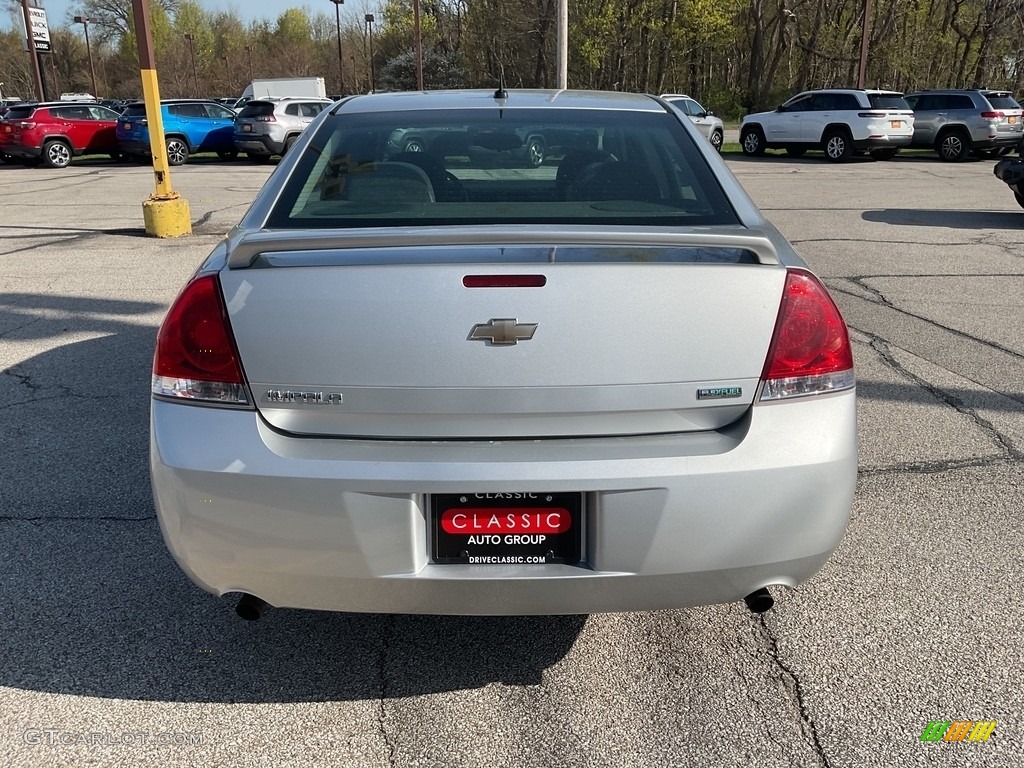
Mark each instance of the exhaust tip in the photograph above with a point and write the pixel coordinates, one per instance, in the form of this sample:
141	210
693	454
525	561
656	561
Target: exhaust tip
760	600
250	607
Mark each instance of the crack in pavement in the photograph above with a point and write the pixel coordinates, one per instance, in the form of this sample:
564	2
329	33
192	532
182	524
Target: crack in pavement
1004	444
933	323
764	638
385	647
937	466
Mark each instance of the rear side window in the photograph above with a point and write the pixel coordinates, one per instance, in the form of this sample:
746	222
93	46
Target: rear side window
450	167
187	110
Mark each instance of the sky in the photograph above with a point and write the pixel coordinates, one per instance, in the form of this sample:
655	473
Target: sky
247	10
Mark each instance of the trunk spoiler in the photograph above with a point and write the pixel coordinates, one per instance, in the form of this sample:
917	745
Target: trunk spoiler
245	248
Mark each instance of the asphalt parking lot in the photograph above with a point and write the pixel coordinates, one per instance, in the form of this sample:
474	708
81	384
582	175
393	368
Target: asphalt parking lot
109	656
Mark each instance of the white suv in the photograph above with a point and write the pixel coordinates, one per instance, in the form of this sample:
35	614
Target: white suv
712	127
838	121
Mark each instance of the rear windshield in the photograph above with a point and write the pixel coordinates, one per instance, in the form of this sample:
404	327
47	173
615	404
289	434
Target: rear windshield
1002	101
257	109
523	166
134	110
19	113
888	101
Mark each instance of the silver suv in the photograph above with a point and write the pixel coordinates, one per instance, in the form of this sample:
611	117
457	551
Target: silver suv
960	121
712	127
838	121
268	127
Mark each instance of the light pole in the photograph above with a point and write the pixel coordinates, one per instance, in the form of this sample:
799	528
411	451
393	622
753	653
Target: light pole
341	66
248	50
195	74
84	21
373	75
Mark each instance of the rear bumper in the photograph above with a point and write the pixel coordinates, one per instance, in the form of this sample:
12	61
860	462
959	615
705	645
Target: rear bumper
258	144
883	142
22	150
670	521
134	146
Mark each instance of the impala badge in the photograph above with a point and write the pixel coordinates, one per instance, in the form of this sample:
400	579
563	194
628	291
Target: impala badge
502	331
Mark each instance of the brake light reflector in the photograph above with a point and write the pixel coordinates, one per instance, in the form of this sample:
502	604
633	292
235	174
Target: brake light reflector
810	351
195	357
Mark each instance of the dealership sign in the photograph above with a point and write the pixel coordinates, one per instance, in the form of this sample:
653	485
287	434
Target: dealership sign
40	33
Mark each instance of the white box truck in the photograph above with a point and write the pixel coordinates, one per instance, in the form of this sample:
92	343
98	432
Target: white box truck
282	87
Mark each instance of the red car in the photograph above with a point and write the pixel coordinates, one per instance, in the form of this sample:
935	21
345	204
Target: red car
54	133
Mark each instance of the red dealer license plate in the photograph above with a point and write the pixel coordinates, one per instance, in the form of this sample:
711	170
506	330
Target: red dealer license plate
506	528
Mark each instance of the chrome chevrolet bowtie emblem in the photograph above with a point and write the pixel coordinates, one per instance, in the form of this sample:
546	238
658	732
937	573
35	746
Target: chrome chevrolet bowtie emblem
502	331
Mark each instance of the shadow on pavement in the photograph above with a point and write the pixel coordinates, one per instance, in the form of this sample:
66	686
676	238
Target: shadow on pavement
91	603
949	219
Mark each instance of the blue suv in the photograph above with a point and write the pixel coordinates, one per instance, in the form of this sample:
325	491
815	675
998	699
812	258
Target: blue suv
190	126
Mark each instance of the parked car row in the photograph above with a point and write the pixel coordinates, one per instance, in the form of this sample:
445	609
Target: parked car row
955	123
53	133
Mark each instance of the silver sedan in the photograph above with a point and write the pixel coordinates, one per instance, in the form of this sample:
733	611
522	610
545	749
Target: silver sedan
440	382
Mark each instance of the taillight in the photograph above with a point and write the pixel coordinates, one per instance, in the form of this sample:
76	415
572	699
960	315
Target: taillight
993	115
810	351
265	119
196	358
871	114
26	125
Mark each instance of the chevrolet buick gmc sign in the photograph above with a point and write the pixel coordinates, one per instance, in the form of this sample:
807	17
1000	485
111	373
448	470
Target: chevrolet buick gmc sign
40	31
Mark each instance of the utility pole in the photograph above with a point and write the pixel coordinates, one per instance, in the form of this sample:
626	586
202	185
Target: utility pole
862	70
417	43
563	44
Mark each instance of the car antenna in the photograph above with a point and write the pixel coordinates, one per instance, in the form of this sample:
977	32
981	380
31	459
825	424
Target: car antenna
501	93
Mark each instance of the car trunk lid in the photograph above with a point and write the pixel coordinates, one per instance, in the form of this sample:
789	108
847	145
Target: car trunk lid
486	341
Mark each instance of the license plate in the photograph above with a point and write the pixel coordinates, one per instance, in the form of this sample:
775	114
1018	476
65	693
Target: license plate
246	128
1012	120
896	123
127	126
506	528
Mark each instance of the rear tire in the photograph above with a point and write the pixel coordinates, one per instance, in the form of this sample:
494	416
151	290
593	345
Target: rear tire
288	144
56	154
752	142
838	147
177	151
953	146
1020	198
